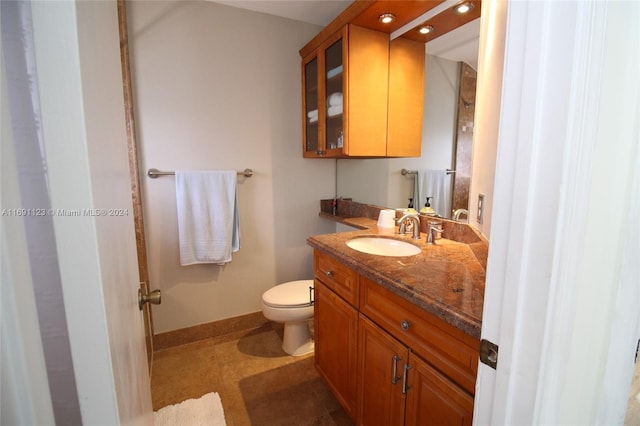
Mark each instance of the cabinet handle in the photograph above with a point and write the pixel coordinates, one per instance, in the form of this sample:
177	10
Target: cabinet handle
394	377
405	387
405	324
329	273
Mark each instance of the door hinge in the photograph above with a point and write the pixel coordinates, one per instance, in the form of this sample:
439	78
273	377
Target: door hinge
489	353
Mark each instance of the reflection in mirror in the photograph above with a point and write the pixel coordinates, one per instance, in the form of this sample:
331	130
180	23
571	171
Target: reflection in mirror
447	134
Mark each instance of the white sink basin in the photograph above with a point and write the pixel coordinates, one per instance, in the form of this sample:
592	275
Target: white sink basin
383	246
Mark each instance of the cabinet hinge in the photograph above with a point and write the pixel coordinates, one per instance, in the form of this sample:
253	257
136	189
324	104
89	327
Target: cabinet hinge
489	353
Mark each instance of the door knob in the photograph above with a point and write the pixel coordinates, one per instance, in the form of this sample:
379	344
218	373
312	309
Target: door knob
154	297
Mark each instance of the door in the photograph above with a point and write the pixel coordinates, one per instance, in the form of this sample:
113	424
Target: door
134	171
381	370
433	399
335	344
568	155
78	87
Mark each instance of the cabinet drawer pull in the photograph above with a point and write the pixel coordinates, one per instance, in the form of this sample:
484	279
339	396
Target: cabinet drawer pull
405	324
394	376
405	387
329	273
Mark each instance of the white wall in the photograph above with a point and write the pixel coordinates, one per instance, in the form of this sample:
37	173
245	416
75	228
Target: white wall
379	181
485	136
218	87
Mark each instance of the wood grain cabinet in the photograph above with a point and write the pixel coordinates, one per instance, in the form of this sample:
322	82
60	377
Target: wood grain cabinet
335	307
388	361
346	95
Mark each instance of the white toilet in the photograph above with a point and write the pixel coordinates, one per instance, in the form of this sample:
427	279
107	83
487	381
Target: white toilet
290	303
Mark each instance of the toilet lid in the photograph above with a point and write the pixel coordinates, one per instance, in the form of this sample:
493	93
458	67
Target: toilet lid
293	293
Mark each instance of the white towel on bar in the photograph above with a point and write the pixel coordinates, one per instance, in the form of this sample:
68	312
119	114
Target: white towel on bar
208	225
437	185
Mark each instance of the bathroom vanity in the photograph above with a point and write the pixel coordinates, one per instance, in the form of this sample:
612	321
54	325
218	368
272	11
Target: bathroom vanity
397	338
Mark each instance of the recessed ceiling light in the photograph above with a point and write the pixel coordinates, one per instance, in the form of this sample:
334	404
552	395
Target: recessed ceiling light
463	8
425	29
387	18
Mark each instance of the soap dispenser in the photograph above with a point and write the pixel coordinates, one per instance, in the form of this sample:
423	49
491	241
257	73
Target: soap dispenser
427	209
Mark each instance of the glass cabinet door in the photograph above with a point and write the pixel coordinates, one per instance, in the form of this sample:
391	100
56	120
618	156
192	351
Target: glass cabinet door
334	84
311	131
323	106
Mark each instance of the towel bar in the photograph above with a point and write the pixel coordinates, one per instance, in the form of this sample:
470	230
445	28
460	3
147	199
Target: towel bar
154	173
405	172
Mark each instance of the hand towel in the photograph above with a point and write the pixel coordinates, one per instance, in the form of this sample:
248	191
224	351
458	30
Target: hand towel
437	185
208	225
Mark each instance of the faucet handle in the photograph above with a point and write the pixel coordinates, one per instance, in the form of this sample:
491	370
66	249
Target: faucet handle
431	239
402	228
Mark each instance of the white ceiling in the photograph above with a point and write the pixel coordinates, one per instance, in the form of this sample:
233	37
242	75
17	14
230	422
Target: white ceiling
319	12
458	45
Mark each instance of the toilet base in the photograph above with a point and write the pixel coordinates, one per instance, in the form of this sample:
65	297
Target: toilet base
297	339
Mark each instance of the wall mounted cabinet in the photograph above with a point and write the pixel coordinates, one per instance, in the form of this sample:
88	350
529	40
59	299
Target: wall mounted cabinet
345	95
347	86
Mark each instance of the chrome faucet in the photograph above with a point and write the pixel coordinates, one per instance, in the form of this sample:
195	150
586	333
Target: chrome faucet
433	229
415	219
457	213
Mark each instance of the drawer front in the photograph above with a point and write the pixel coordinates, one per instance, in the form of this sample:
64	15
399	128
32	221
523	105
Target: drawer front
339	278
445	347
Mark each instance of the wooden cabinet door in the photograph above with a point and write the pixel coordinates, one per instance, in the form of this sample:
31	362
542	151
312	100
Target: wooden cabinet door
406	98
432	399
380	373
336	328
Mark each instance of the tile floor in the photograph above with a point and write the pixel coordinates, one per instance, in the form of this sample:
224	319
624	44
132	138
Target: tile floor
258	383
633	407
261	385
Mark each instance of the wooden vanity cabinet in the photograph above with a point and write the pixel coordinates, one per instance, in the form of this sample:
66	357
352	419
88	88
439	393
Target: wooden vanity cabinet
335	307
388	361
396	387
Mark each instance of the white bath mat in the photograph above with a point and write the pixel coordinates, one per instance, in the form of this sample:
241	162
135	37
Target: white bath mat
204	411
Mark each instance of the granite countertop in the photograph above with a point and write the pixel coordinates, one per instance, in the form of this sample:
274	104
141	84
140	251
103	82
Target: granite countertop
446	279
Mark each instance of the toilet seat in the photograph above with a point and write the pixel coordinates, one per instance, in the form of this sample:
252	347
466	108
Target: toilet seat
292	294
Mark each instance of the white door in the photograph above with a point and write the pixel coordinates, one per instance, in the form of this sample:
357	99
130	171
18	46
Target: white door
562	299
82	152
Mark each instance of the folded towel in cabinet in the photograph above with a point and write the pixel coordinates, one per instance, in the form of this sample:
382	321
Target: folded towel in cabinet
332	111
313	116
335	71
334	99
207	207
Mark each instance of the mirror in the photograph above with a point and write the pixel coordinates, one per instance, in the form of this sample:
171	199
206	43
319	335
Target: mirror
446	135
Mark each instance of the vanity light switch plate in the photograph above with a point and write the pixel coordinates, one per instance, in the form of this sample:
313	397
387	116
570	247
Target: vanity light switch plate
480	207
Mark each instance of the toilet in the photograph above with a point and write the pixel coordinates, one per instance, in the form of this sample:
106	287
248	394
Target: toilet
290	303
